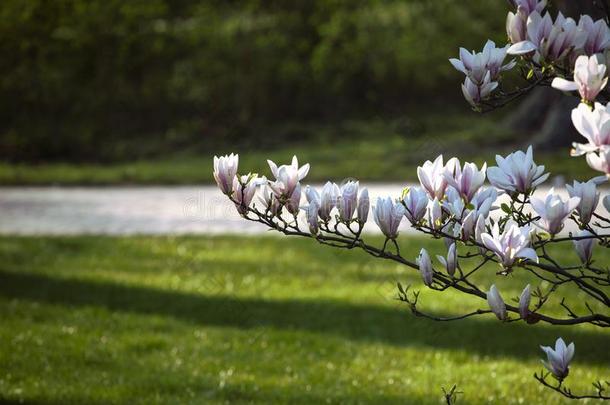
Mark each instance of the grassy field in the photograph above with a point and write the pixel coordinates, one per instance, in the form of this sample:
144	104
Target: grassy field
374	150
213	320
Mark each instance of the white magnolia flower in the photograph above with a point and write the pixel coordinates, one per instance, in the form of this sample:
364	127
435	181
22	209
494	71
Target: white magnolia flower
449	263
415	202
312	195
387	215
606	202
466	181
597	34
475	93
479	229
363	206
549	40
594	125
516	23
244	188
294	201
328	200
512	244
348	200
558	360
553	210
287	177
517	172
496	303
589	198
584	247
589	78
600	161
476	65
430	176
225	169
524	302
425	267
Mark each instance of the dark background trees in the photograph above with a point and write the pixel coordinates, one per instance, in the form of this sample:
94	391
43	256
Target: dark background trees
102	80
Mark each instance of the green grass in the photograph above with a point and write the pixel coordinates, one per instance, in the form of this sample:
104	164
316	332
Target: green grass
263	320
374	150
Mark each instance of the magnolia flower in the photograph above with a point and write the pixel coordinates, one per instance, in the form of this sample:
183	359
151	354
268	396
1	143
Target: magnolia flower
311	213
425	267
589	78
517	172
415	202
524	302
449	263
270	201
363	206
553	210
348	199
594	125
597	35
479	229
328	200
606	202
529	6
225	169
287	177
475	93
466	181
558	360
244	188
293	203
496	303
434	214
512	244
584	247
430	176
312	196
600	161
476	65
589	198
484	199
550	40
387	215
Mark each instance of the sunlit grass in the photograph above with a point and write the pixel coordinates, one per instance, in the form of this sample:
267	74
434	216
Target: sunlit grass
256	320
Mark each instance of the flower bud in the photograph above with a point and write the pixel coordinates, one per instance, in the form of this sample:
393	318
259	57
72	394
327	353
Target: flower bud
293	203
450	263
425	267
363	206
496	303
524	302
225	169
584	247
348	200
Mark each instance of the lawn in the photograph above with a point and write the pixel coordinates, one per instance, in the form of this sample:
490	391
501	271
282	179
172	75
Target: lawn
372	150
264	320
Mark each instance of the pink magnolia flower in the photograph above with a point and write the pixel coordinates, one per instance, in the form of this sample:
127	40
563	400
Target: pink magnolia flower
553	210
496	303
287	177
597	34
594	125
425	267
387	215
589	78
517	172
328	200
510	245
225	169
466	181
558	360
475	93
244	188
415	202
600	161
529	6
348	200
294	201
589	198
363	206
524	302
431	178
476	65
584	247
450	262
311	213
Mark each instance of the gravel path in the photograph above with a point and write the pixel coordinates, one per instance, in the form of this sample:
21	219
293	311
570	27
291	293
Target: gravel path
133	210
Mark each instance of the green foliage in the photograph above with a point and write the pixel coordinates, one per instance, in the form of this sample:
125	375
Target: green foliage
114	79
216	320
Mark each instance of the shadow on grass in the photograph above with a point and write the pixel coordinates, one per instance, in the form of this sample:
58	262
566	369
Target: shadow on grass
359	323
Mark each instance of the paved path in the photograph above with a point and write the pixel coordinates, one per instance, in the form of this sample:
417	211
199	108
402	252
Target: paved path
133	210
